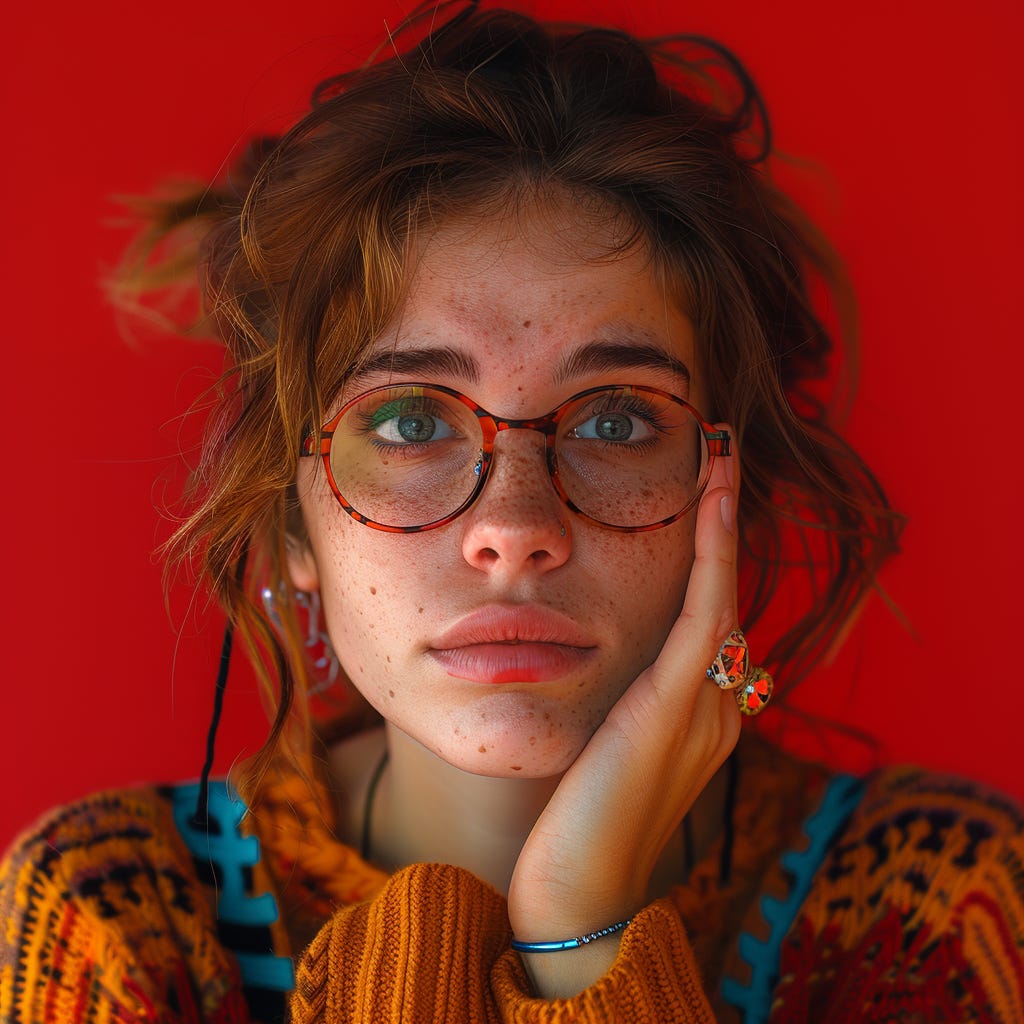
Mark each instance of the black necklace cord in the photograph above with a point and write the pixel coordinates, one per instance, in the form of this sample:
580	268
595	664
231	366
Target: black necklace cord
366	839
201	819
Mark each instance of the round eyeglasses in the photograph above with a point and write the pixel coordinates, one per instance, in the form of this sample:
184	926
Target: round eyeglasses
410	457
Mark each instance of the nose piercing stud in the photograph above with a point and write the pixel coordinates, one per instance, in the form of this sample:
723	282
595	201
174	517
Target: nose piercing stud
562	525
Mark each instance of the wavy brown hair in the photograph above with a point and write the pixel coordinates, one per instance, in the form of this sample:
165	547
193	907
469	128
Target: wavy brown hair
302	250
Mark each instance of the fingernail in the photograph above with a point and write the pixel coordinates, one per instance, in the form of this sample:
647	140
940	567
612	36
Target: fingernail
728	510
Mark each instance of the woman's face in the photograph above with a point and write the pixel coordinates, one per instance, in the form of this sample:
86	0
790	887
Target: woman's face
501	640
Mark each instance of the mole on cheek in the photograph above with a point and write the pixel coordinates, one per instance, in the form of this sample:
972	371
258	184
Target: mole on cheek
373	590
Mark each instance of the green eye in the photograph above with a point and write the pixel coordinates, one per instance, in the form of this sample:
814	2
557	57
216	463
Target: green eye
610	426
397	423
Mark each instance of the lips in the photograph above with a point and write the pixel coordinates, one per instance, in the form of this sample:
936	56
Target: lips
508	644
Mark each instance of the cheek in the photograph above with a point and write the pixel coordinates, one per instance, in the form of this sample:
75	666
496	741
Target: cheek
643	579
372	595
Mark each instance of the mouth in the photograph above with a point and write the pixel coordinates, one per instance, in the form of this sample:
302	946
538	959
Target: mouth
513	644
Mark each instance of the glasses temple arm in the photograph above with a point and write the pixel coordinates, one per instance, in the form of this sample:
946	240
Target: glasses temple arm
719	443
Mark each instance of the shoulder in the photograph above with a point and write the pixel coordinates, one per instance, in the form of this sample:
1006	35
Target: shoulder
83	844
934	833
921	897
105	912
108	843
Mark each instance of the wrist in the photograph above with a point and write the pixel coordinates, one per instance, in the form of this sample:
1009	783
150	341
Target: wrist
574	942
566	973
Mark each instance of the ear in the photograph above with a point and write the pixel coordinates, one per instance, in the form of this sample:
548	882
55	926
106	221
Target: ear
302	565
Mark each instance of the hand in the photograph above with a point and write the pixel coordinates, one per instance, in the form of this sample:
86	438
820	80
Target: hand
588	861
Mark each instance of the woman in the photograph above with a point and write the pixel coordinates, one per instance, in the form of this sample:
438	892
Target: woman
510	316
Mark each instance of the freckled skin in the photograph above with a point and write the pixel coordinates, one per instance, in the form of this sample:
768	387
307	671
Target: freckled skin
479	288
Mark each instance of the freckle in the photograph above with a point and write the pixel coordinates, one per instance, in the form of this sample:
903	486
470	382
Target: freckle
482	749
526	323
533	740
373	590
391	693
419	611
547	715
516	767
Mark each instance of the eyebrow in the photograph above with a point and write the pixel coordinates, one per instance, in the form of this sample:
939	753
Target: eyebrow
602	356
417	362
593	357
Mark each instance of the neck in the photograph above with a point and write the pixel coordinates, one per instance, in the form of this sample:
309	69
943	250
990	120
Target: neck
426	810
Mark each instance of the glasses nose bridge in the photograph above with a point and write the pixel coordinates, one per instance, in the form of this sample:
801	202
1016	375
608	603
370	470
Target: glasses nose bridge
543	425
546	426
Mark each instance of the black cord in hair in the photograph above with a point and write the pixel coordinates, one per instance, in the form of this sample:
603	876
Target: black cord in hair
201	819
728	825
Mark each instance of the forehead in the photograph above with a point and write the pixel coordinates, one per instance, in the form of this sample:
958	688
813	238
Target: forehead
549	250
556	286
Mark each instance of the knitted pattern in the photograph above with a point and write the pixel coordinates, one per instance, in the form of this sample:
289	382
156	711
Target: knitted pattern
916	913
105	920
762	955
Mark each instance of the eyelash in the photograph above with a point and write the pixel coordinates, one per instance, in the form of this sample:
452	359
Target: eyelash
631	405
398	407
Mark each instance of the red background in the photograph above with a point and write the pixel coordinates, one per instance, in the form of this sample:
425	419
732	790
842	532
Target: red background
907	113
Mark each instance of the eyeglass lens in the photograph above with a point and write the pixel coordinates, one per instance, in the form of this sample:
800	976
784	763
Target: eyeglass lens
626	457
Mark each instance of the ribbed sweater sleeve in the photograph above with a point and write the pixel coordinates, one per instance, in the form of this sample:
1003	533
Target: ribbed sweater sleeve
434	946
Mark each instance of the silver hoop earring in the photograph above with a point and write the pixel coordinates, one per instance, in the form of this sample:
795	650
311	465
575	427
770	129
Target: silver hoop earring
322	657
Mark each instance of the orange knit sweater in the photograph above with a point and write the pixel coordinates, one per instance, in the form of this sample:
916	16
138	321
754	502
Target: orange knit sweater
902	899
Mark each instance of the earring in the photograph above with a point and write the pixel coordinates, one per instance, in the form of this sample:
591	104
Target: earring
322	654
322	657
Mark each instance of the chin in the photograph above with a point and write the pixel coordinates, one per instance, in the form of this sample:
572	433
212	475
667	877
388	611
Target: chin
529	747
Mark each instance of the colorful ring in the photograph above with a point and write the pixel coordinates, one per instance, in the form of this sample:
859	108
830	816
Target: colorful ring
729	668
753	696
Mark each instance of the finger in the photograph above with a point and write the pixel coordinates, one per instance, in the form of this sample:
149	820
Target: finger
710	606
712	584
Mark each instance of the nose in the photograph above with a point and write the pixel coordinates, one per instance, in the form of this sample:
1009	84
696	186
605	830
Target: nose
518	525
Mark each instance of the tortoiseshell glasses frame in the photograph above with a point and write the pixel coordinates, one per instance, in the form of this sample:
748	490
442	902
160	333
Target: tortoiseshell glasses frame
369	433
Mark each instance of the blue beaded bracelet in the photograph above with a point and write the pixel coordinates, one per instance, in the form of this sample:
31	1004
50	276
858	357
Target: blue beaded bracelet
557	947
